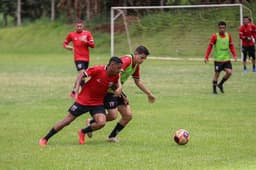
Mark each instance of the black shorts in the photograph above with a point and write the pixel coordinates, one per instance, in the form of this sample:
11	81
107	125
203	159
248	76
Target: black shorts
111	101
77	109
248	50
220	66
81	65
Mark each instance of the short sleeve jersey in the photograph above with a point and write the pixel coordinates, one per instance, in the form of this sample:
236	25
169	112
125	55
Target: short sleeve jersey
127	62
94	90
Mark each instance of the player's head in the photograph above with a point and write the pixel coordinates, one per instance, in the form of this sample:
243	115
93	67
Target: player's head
79	25
140	54
246	20
222	27
114	65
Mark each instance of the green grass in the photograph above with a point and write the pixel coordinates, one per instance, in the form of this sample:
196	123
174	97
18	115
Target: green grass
34	95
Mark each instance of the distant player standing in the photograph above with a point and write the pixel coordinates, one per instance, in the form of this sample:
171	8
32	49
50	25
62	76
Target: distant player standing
90	98
246	34
222	43
115	104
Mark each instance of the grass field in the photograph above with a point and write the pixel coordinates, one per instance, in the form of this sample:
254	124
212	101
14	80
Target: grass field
34	95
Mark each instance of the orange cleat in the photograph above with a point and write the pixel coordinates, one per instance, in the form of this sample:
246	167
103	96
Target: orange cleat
81	136
43	142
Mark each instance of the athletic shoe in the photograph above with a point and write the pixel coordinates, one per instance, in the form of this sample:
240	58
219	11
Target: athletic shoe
245	70
221	88
254	70
113	139
89	134
73	95
43	142
81	137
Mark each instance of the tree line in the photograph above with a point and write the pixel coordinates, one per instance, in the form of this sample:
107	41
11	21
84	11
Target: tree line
17	11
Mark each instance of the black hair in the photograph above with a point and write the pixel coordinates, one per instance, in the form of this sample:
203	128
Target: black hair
246	17
142	50
222	23
79	21
115	59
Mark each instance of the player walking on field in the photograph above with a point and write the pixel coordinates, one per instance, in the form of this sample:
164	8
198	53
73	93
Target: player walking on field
222	43
115	104
247	35
81	40
91	98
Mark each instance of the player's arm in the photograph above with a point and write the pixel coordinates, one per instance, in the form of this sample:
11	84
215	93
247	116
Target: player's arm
209	48
66	43
118	89
89	41
142	87
76	88
232	47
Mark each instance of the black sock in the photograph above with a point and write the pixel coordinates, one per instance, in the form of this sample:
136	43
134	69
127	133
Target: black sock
253	66
214	84
222	81
87	129
50	134
116	130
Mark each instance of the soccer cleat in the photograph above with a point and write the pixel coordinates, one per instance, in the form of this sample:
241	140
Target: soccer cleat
254	70
245	70
214	91
43	142
220	86
112	139
81	137
89	134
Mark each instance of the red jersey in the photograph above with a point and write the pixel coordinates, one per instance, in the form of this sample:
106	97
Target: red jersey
81	48
94	90
246	35
213	41
253	30
127	61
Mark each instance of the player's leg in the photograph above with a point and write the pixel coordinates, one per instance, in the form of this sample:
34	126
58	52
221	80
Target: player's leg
110	103
217	69
244	50
228	72
126	117
99	117
74	112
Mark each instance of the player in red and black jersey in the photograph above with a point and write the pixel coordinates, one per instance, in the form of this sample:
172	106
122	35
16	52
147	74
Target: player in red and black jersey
82	40
246	34
90	98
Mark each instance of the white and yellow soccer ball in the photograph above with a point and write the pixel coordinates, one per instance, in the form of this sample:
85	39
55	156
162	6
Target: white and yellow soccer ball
181	136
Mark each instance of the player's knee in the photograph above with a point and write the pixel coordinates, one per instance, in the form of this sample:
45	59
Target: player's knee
127	117
100	124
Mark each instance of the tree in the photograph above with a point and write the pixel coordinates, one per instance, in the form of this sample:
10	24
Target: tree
18	12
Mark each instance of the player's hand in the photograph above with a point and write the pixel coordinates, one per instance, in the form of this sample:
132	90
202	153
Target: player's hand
73	95
126	101
118	92
206	61
151	98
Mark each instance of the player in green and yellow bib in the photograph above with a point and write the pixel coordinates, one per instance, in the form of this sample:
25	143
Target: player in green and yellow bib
115	104
223	45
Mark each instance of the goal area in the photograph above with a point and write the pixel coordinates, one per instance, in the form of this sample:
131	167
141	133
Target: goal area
173	32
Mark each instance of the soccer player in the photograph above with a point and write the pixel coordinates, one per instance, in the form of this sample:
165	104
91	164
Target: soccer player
246	33
222	43
81	40
115	104
91	98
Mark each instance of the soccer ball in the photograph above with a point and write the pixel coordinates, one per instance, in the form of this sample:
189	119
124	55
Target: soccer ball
181	136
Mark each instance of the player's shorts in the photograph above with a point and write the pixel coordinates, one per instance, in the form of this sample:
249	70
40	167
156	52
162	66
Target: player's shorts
81	65
250	50
111	101
220	66
77	109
